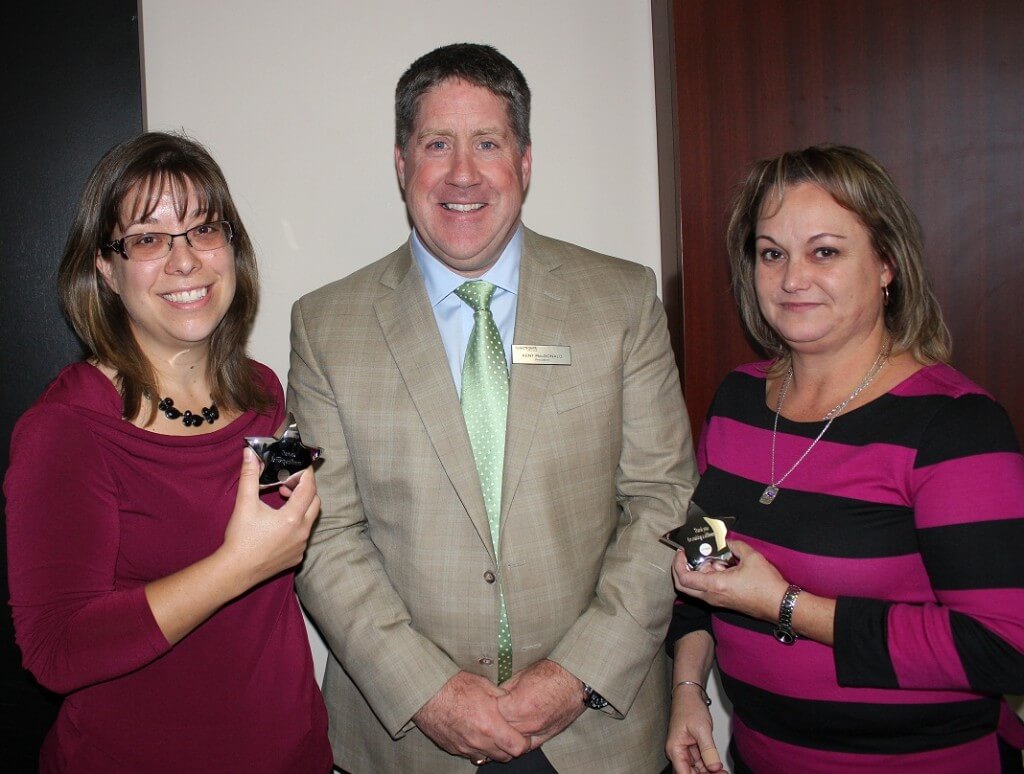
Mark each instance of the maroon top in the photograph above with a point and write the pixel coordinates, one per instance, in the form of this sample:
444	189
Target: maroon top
97	508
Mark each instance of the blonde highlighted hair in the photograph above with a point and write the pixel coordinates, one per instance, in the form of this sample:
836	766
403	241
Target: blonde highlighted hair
860	184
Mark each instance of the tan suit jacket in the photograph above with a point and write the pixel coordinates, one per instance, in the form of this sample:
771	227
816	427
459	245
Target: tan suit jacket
399	571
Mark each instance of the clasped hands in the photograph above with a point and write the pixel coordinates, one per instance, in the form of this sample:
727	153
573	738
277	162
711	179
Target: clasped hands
472	717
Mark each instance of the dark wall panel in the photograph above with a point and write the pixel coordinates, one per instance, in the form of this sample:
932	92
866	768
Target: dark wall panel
933	88
72	88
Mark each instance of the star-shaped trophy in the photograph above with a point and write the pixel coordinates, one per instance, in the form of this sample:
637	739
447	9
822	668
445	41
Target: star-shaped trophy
283	458
702	537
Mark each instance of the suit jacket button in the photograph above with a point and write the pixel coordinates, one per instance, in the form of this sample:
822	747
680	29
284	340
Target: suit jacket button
489	576
486	661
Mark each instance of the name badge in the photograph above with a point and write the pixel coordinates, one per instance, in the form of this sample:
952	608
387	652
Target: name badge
535	354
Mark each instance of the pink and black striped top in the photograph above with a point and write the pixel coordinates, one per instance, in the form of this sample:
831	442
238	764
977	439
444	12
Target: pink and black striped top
909	512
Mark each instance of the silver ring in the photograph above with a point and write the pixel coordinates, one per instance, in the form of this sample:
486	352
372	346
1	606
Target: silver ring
481	760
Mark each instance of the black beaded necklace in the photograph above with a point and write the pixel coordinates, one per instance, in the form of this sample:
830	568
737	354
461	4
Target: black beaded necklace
209	413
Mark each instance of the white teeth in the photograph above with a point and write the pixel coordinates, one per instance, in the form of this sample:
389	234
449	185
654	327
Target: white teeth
186	296
462	207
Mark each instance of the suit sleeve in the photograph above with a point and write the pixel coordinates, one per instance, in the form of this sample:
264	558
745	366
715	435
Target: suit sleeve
968	485
612	644
342	582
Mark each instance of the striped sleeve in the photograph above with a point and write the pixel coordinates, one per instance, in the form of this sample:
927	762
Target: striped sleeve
967	485
689	614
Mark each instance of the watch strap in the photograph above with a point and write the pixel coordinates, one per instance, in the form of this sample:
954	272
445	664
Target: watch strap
593	699
783	630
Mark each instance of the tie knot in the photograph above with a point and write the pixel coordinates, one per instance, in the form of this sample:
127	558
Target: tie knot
476	293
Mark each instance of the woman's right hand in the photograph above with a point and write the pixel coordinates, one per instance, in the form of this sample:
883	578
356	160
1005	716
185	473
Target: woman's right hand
690	745
265	541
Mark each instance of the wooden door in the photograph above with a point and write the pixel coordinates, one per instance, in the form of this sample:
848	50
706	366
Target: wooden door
932	88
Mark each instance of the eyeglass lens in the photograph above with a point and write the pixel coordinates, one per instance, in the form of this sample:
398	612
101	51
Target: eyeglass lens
205	236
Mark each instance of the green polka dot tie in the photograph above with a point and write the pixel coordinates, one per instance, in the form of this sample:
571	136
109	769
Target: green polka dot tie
485	407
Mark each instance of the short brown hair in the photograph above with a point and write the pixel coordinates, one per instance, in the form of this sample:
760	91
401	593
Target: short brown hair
133	173
860	184
474	63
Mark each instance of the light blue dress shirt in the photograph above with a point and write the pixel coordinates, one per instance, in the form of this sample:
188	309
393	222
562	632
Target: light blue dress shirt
454	316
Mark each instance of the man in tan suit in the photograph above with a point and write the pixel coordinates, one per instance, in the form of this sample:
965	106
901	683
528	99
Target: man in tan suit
447	653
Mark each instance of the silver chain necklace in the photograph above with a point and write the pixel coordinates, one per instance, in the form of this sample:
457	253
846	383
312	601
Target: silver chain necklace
772	490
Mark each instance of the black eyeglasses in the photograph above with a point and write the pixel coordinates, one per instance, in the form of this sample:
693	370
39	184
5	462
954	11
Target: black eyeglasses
155	245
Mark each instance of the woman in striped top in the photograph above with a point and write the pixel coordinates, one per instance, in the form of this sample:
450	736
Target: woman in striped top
875	617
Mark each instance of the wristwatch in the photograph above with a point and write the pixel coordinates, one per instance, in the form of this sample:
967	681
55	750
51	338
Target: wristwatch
783	630
593	699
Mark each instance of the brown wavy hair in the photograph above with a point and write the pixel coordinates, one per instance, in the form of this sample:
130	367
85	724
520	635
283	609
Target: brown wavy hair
129	178
860	184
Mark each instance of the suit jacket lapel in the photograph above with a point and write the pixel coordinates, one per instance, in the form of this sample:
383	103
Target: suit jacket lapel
541	309
409	327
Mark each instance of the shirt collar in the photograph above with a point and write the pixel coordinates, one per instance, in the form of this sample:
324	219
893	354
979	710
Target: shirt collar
440	281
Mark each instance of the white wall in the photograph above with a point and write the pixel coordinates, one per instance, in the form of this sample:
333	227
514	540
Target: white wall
295	100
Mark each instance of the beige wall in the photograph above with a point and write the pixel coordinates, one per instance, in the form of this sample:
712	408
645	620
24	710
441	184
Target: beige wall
295	101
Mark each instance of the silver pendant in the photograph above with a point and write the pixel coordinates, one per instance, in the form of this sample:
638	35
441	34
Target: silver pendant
769	494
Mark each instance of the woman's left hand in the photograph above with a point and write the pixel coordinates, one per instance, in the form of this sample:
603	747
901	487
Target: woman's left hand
690	745
752	587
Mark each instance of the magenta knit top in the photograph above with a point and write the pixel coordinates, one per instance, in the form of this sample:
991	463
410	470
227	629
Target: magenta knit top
97	508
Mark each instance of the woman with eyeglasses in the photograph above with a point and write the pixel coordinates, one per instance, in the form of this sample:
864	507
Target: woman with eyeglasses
151	583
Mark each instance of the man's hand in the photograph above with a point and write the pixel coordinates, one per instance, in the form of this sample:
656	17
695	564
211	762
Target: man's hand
542	701
463	719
